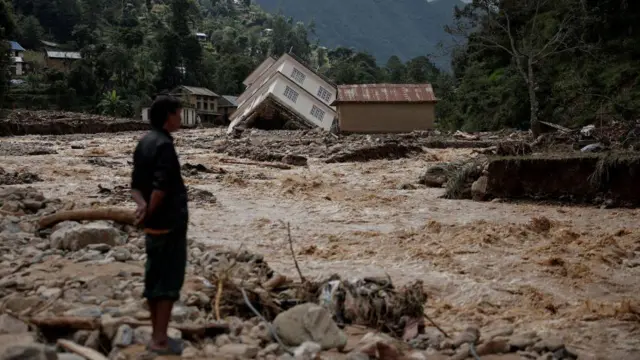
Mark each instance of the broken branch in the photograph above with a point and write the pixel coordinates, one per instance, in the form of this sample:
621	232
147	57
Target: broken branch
255	163
119	215
83	351
293	254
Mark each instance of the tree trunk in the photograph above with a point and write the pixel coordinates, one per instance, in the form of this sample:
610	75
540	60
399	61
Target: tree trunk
533	100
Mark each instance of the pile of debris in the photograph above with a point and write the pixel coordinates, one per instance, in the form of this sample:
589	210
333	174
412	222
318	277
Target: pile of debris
18	177
74	280
44	122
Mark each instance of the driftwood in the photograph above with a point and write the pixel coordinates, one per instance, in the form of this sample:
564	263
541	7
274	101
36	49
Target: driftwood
120	215
269	165
69	322
83	351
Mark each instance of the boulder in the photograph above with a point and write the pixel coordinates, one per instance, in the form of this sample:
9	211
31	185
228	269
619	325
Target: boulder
309	322
32	351
479	188
79	237
243	351
11	325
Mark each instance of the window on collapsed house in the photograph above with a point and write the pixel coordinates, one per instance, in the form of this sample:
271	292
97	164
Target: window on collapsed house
298	76
317	113
291	94
324	94
206	105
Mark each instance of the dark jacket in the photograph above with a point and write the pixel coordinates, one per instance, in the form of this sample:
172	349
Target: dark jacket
156	166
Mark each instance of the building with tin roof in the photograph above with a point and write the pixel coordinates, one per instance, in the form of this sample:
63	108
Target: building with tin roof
385	108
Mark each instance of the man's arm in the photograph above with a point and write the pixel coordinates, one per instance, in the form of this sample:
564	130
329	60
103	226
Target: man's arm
160	178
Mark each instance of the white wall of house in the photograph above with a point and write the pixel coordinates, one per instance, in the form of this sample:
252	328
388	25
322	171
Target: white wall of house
308	106
189	116
309	81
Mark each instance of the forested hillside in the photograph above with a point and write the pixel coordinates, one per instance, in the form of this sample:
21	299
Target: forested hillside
133	49
570	62
405	28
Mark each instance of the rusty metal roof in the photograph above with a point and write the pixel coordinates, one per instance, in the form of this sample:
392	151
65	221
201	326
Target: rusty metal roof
385	93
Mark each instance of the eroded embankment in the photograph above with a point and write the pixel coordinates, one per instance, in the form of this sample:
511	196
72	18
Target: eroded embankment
581	178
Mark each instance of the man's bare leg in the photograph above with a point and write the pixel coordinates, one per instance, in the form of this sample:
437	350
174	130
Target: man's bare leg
153	310
161	325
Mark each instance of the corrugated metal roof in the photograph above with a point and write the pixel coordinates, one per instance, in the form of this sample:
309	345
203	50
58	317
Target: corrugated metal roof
199	91
385	93
64	55
15	46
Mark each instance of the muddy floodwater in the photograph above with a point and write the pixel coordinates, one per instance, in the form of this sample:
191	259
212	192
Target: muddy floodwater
565	270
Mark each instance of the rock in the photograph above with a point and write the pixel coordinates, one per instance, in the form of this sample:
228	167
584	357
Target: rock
103	248
551	344
32	205
269	349
222	340
80	336
67	356
435	176
261	331
307	351
11	325
79	237
93	341
378	346
495	346
416	355
48	293
30	352
142	334
432	338
356	355
121	254
239	350
190	353
503	331
309	322
523	341
87	312
123	337
179	313
462	353
470	335
9	340
210	350
479	188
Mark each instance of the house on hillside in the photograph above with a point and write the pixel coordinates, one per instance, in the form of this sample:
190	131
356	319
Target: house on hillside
203	100
17	59
60	60
385	108
285	92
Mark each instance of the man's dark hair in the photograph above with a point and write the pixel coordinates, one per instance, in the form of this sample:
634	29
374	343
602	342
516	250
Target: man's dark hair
162	106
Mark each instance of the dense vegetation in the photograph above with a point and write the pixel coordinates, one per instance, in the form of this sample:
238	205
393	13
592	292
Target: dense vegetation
133	49
570	62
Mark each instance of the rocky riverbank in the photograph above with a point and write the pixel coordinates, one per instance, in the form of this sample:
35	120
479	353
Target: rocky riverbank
73	291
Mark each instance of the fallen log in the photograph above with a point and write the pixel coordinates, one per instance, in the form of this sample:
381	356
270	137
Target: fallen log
83	351
119	215
269	165
189	332
66	322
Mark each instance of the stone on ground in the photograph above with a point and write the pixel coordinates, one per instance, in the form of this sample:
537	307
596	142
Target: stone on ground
309	322
79	237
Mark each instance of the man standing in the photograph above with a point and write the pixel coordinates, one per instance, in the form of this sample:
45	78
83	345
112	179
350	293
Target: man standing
161	196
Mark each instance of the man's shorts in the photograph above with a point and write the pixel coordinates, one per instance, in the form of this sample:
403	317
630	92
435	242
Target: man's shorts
166	264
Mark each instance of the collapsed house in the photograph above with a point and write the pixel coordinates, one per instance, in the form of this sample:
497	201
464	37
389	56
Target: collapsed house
285	93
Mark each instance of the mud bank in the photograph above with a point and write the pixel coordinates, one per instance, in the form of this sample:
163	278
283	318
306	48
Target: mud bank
579	179
70	127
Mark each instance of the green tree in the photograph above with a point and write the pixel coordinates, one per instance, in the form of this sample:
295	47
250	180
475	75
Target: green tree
7	27
396	70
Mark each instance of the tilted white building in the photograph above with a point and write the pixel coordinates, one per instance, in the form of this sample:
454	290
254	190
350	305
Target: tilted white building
286	90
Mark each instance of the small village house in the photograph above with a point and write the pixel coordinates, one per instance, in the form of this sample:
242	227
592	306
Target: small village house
203	100
190	118
385	108
285	92
60	60
17	59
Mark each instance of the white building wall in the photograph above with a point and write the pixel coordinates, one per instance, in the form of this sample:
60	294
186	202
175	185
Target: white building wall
311	83
189	116
304	103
